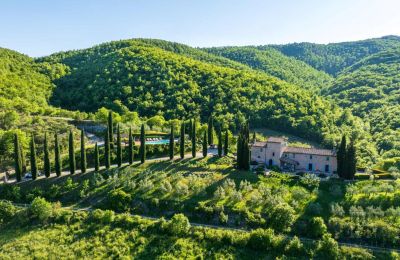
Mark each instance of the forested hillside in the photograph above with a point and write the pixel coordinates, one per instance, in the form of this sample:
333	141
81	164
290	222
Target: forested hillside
333	58
273	62
152	80
25	88
371	89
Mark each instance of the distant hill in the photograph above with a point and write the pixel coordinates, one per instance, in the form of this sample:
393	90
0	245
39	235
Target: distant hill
25	86
273	62
156	77
371	89
333	58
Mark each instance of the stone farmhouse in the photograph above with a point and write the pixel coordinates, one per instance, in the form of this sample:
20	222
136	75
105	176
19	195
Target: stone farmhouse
276	152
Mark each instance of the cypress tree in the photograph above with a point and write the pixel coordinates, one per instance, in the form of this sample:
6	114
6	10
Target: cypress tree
57	156
182	140
23	160
142	144
205	144
83	152
194	139
239	151
33	158
107	155
254	137
46	160
210	130
351	161
246	149
341	158
119	147
219	143
130	152
110	128
226	143
17	158
71	151
190	128
171	143
243	152
96	158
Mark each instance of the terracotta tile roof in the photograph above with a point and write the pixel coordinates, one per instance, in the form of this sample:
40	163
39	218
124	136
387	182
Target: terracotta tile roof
259	144
274	139
314	151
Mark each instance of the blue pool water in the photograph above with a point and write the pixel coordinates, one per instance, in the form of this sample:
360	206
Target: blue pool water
163	141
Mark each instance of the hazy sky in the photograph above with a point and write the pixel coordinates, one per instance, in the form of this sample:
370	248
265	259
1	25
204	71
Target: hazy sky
40	27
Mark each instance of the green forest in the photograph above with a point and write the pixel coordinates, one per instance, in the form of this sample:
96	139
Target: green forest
106	193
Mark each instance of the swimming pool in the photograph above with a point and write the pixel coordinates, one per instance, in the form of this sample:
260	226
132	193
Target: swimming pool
162	141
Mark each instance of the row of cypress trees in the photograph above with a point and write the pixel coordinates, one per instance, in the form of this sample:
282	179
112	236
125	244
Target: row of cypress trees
346	159
108	144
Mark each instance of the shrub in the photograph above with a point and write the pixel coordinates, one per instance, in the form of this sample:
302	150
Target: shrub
355	253
178	225
310	181
314	208
40	209
294	247
263	239
7	211
337	210
327	248
281	217
223	218
119	200
10	192
102	216
317	227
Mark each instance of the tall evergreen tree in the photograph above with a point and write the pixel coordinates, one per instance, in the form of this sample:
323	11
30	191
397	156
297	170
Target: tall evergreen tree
23	160
107	154
243	152
205	144
182	141
226	143
17	158
194	139
239	152
83	152
219	143
34	170
46	159
119	147
254	137
210	130
341	158
171	143
351	161
130	152
71	151
110	128
190	128
57	156
142	144
96	158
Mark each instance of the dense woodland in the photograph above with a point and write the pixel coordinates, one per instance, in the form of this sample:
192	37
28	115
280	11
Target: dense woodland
142	87
281	87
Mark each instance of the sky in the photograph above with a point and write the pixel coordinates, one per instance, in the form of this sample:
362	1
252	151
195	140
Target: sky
42	27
